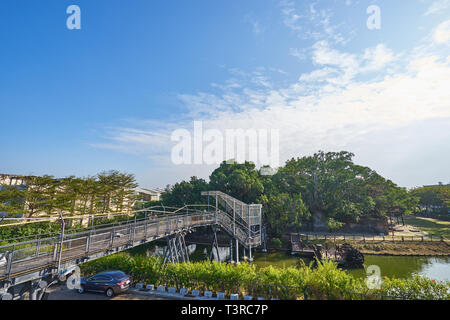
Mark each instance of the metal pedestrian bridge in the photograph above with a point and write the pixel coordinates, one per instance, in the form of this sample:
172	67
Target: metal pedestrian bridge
27	262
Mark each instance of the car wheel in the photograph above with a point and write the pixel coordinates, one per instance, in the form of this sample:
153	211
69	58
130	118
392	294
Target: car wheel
109	292
81	289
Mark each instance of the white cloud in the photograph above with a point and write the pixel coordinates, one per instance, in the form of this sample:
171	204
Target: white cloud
437	7
327	120
298	53
315	24
335	106
442	33
340	67
377	58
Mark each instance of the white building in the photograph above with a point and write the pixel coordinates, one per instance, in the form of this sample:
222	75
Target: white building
144	194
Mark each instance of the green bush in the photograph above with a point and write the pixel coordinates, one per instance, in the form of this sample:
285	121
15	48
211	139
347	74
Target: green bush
325	281
277	243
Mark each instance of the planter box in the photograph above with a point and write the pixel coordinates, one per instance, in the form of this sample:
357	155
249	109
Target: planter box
161	289
183	291
172	290
139	285
195	292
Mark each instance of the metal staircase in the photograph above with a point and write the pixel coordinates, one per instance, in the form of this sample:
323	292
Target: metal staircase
240	220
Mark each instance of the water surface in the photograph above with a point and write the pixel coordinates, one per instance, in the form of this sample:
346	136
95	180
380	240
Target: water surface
437	268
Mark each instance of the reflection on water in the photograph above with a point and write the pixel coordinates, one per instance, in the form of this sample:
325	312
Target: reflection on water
437	268
196	252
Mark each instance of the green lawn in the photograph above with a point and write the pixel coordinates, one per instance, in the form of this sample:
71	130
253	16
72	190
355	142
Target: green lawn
433	227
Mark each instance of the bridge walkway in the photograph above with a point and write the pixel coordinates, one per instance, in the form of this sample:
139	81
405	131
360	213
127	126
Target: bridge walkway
24	261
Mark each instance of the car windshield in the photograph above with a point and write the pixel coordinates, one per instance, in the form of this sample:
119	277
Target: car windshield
118	275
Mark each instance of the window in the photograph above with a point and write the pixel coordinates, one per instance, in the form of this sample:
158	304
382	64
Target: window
101	278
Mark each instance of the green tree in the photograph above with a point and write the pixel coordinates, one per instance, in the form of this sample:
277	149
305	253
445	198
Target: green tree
433	199
284	211
185	193
39	194
240	180
12	199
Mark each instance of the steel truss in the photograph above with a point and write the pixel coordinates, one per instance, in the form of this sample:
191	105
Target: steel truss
176	250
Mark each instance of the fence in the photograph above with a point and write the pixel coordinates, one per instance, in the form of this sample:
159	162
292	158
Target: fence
354	237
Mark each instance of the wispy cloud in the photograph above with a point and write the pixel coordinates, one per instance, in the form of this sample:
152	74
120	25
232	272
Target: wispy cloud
437	7
311	22
257	28
347	98
441	34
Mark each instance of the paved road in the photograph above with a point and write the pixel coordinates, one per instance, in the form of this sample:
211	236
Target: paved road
62	293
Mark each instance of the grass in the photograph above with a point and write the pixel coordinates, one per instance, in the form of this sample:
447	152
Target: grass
433	227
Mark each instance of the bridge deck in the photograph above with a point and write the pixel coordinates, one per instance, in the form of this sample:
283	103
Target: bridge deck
40	254
85	244
23	261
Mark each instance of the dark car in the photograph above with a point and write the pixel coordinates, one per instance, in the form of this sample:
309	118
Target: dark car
110	283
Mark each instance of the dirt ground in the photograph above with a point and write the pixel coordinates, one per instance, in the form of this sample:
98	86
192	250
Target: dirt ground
407	230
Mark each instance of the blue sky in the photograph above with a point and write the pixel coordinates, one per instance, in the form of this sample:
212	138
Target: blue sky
109	95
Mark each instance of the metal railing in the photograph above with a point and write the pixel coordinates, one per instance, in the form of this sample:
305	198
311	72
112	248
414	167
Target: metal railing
42	252
241	220
364	237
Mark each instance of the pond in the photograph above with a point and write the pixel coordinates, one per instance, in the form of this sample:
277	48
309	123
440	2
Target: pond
437	268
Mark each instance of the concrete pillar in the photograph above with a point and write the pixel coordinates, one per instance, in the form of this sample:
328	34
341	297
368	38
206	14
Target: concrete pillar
237	251
33	293
231	250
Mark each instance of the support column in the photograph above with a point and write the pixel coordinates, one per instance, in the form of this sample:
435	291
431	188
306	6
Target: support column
231	250
182	249
215	212
237	251
185	249
250	258
34	289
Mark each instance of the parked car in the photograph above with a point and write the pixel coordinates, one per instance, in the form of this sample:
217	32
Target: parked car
110	283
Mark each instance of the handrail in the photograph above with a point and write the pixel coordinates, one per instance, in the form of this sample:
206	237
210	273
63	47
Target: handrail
26	256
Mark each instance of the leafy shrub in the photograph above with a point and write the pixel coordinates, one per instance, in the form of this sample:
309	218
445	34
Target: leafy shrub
277	243
325	281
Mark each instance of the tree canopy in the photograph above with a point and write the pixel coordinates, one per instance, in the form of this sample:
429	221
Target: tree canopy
106	192
326	183
434	199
